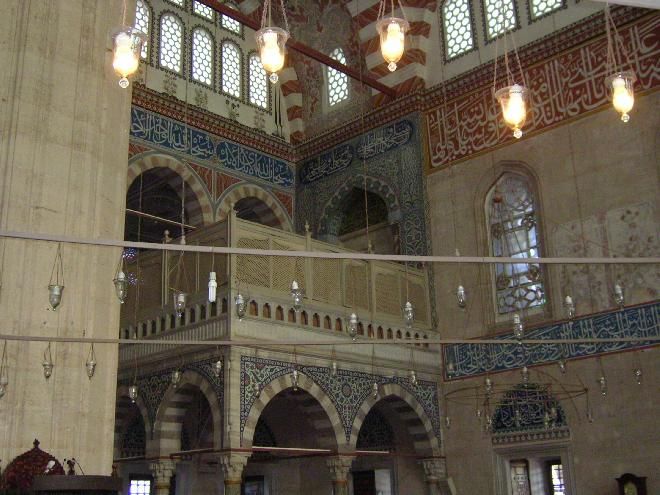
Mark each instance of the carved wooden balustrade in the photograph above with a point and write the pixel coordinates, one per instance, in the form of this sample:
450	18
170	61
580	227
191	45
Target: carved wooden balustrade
376	291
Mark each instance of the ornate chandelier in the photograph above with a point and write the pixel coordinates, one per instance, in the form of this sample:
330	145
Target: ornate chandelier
271	41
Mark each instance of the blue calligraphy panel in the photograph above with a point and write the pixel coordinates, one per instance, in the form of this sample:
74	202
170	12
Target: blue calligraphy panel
250	162
170	134
385	139
640	321
326	164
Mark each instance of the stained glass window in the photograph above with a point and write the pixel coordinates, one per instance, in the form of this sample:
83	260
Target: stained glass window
337	81
541	7
231	69
140	487
171	35
258	85
203	10
202	56
142	23
513	229
458	27
500	17
229	23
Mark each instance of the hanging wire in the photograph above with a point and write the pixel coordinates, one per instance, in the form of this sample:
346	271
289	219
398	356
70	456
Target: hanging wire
58	267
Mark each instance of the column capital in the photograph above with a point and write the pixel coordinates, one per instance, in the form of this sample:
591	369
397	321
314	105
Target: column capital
162	471
232	465
435	469
339	466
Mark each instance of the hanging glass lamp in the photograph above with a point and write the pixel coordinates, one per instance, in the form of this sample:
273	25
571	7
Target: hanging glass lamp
55	295
408	314
133	393
392	31
271	41
179	302
121	286
352	325
240	305
217	368
296	296
513	100
127	46
621	91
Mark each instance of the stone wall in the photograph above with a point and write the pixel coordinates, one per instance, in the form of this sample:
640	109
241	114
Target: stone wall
63	167
597	181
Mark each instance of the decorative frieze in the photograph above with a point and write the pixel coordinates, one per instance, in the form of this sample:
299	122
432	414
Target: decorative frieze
639	321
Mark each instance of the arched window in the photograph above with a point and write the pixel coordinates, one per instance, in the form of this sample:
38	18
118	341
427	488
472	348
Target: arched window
202	56
257	82
500	17
513	232
231	69
457	20
171	36
539	8
143	23
203	10
337	81
230	24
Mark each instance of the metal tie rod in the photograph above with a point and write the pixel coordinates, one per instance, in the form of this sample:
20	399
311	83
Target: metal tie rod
324	254
335	342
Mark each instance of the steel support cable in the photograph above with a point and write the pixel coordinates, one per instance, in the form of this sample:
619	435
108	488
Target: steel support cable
326	255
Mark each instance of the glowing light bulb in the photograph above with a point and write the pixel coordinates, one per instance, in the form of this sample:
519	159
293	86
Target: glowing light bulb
392	39
213	287
126	57
271	41
622	97
515	109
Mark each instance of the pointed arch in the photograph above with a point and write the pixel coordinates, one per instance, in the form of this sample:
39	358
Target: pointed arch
329	221
410	411
172	410
236	192
139	164
328	425
123	416
492	218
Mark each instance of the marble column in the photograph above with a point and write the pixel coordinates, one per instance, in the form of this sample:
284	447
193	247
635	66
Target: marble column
162	471
435	474
64	123
232	465
339	467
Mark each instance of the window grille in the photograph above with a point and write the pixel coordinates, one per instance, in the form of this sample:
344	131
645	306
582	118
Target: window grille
202	56
458	27
171	34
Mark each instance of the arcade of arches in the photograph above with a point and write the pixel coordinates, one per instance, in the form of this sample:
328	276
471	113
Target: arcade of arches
345	392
